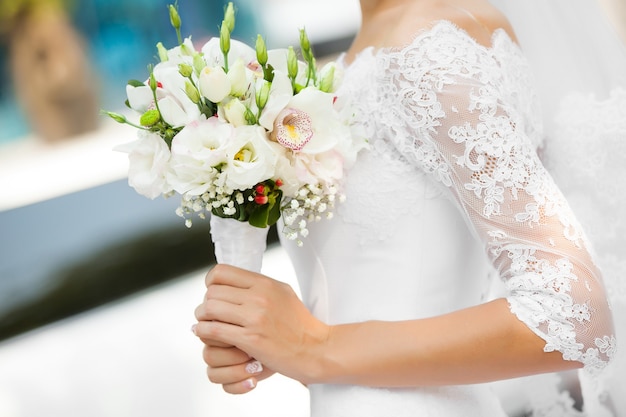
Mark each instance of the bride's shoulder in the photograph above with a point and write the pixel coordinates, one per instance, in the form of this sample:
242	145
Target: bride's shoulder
401	27
478	22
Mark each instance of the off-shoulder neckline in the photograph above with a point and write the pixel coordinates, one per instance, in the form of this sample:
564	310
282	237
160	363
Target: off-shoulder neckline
423	33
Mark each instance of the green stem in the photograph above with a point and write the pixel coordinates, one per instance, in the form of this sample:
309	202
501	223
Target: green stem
179	36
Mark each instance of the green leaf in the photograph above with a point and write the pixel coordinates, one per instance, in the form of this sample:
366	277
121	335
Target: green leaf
268	73
274	212
136	83
259	216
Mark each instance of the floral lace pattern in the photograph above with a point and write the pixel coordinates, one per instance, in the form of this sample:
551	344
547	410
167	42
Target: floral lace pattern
593	132
465	115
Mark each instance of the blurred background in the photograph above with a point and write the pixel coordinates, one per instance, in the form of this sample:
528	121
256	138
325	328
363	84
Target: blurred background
97	283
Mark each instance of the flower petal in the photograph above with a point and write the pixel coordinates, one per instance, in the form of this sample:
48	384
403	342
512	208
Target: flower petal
293	129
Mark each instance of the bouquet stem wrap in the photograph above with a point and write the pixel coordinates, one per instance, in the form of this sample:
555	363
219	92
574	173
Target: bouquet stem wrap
238	243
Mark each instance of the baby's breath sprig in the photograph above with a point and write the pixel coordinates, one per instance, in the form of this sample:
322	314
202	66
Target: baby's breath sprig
259	205
313	203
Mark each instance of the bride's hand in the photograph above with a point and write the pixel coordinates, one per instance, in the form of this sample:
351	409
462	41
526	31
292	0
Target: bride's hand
234	369
262	317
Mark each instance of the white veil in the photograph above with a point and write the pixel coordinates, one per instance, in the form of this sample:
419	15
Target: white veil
579	63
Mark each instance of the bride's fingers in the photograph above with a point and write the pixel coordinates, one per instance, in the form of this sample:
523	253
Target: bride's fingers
248	384
228	275
216	331
226	293
219	310
234	374
217	357
215	343
241	387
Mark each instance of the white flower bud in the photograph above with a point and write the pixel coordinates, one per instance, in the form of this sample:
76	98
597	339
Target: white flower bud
234	112
237	77
214	84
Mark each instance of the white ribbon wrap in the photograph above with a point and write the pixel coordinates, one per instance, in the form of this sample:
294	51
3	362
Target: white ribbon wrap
238	243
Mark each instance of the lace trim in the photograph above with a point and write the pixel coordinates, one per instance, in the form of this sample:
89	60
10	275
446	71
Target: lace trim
490	166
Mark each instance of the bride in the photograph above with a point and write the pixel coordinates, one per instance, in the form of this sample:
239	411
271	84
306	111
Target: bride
397	316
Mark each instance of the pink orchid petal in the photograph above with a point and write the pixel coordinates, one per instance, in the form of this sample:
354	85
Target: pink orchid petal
293	129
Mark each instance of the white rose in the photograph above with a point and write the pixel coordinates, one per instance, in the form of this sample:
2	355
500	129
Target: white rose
250	158
197	150
214	83
148	159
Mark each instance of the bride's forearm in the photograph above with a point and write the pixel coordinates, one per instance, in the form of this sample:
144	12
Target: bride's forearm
478	344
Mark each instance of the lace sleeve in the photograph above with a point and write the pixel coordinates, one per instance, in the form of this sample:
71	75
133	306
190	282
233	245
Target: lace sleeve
458	122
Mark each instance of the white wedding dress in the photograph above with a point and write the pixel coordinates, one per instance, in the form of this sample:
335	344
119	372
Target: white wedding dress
449	196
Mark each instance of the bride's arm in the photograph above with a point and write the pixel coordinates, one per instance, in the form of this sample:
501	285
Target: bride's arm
266	319
478	344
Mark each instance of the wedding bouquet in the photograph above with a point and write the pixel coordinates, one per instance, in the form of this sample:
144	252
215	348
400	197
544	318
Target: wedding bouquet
244	133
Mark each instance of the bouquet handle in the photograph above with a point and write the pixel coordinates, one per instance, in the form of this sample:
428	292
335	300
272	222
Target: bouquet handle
238	243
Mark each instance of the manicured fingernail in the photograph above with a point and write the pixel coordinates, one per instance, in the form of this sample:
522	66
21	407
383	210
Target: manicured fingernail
193	328
249	383
254	367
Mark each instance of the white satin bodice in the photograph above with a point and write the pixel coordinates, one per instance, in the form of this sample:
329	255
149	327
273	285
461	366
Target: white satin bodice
404	266
419	261
449	193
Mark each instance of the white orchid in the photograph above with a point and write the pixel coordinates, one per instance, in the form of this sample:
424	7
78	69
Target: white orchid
280	94
325	128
